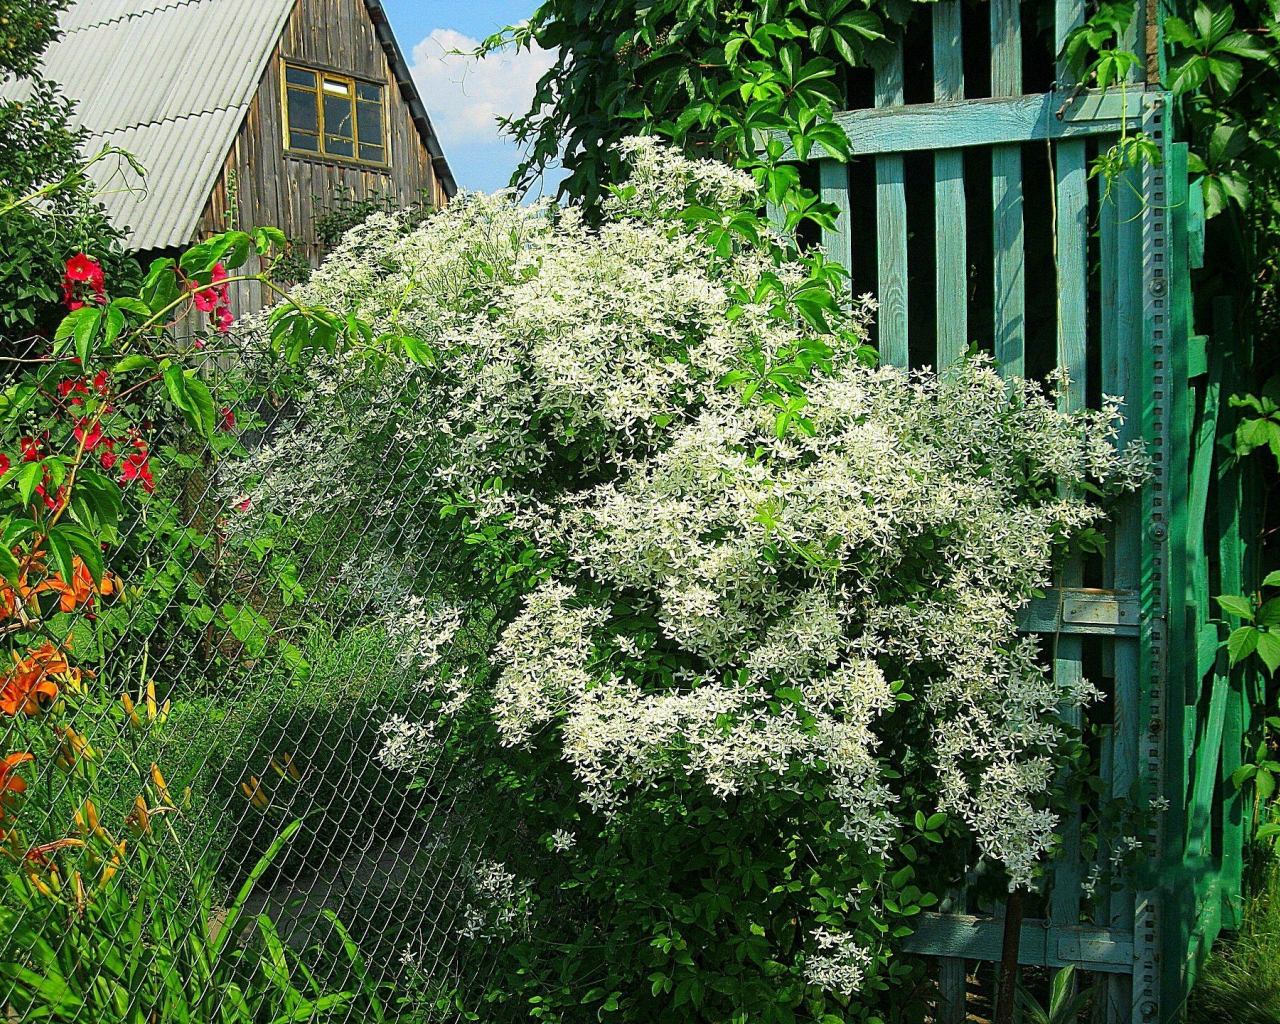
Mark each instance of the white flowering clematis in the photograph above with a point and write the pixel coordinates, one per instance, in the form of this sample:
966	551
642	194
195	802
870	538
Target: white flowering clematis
714	598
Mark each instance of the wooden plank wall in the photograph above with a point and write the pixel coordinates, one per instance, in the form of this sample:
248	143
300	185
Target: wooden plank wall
273	187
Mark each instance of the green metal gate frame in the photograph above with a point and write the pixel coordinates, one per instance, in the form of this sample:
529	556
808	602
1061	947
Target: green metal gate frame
1179	711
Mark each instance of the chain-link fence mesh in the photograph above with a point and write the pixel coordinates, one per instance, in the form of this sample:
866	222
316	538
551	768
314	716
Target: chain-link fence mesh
206	817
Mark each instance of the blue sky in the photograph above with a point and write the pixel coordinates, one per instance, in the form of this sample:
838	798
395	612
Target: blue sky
464	96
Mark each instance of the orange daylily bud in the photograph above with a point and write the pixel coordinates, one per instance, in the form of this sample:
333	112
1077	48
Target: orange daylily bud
116	862
285	768
73	750
87	823
255	793
43	887
140	818
162	788
130	711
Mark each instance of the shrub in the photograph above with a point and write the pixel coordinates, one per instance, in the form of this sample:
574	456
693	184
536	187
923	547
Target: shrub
734	611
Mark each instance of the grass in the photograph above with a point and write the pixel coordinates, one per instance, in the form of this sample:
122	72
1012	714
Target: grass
1240	982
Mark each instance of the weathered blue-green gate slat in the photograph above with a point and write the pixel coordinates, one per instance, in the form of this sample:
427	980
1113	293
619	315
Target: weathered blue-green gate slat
985	122
1072	208
833	181
1006	197
1208	748
891	227
1151	624
1122	375
1179	899
1231	577
951	261
1072	205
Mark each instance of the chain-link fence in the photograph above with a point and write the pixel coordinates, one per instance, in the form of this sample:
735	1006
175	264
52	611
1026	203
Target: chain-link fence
207	816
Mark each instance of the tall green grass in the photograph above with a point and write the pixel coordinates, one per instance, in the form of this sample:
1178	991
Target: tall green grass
1240	982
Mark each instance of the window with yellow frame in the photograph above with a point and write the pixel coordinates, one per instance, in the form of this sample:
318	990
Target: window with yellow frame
328	115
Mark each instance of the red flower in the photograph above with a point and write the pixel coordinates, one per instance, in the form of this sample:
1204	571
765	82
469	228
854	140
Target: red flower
243	506
101	382
137	466
209	298
225	320
82	270
228	420
92	437
72	384
109	457
30	449
51	502
4	463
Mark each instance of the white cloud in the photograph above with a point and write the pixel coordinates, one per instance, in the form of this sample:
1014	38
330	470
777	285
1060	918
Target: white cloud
466	96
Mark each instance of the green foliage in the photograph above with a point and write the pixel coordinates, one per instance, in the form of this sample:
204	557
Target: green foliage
40	156
1065	1003
1240	982
157	943
714	77
26	28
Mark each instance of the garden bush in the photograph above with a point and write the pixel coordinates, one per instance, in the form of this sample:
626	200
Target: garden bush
717	620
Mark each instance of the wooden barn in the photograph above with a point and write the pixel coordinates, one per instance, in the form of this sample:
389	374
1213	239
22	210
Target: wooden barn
243	112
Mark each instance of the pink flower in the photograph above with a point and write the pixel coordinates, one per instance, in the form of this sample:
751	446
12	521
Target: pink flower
82	270
243	505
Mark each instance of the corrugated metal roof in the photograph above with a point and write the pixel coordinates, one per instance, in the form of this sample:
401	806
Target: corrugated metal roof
170	81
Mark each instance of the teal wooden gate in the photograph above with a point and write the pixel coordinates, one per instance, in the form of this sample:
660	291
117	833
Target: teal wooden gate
1047	266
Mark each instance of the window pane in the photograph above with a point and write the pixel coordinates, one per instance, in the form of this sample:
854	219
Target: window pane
303	141
302	111
374	154
337	117
335	146
299	76
370	123
373	93
336	88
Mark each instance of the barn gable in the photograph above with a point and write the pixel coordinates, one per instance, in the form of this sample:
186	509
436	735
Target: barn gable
192	90
266	181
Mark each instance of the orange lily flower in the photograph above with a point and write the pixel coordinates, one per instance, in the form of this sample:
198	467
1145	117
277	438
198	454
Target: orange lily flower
40	854
32	684
11	783
81	589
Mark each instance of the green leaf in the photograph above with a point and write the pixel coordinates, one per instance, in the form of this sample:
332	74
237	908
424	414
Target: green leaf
86	329
114	325
134	362
1269	650
1240	607
1272	579
81	323
60	550
10	568
84	544
1242	643
28	479
1269	614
